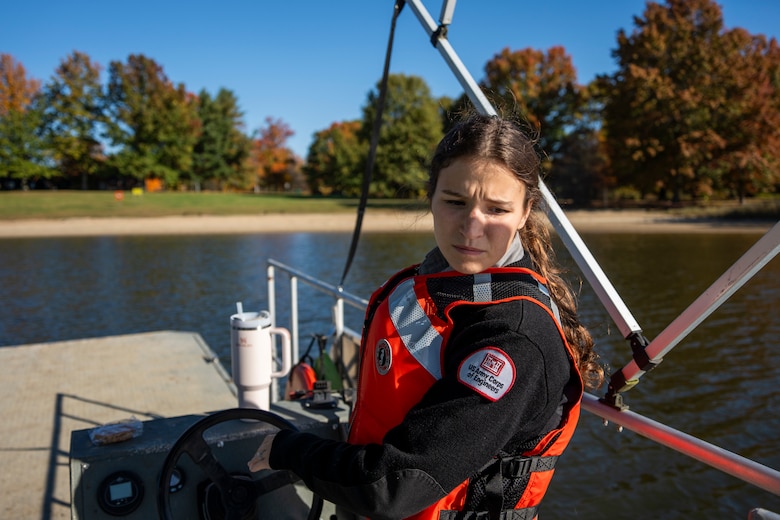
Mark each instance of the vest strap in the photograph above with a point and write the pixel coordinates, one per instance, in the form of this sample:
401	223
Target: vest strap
494	475
517	466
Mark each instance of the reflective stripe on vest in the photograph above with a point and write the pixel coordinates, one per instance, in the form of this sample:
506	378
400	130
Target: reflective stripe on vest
414	327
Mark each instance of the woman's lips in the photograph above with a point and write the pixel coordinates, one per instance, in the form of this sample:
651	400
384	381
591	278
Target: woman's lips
468	250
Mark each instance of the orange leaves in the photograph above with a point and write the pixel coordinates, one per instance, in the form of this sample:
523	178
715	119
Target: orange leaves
272	161
540	87
16	91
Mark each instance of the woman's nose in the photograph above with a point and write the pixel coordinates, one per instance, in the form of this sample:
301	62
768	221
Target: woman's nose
473	224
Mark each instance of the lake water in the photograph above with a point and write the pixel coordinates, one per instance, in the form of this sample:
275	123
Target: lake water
719	384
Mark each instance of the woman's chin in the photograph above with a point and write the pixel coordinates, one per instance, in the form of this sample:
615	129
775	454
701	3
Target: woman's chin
468	267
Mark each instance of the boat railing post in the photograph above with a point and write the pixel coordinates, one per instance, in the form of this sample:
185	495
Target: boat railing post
271	293
338	318
294	316
271	280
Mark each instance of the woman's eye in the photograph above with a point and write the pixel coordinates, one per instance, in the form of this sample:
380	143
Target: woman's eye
454	202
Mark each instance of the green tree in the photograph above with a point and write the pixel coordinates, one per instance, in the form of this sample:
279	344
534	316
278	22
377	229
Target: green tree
578	175
682	111
23	153
411	128
449	109
73	114
222	149
334	159
152	121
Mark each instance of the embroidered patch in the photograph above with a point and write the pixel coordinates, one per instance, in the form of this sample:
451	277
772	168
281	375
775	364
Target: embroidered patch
489	371
383	357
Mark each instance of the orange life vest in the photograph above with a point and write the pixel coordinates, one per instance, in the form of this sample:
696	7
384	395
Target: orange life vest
405	338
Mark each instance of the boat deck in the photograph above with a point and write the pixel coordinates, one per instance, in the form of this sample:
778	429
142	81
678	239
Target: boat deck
52	389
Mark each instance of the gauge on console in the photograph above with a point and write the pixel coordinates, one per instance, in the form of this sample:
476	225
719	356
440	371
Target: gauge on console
120	493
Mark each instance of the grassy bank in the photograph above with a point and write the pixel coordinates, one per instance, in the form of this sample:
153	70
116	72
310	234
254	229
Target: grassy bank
69	204
15	205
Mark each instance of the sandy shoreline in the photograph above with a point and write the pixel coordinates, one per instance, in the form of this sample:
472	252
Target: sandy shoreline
373	222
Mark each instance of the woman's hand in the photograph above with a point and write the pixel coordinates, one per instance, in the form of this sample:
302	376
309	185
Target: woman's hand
262	455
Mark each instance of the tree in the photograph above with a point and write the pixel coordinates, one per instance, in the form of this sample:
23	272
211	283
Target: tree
748	160
222	149
580	172
152	121
333	163
16	90
73	113
274	163
411	128
22	150
538	87
579	175
682	109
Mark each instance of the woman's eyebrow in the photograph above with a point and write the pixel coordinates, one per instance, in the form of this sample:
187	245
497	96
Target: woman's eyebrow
454	193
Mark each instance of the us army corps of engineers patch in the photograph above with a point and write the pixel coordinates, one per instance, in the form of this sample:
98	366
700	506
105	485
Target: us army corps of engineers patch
489	371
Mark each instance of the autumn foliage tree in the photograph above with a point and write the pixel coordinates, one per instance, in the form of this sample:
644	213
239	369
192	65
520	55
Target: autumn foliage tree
539	87
17	91
274	164
539	90
747	160
693	107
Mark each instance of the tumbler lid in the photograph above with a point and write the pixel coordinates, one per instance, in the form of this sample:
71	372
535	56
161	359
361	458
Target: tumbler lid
251	320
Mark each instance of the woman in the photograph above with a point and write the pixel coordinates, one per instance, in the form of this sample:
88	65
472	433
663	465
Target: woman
472	362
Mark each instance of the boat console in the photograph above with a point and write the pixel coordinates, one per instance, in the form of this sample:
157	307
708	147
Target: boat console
198	458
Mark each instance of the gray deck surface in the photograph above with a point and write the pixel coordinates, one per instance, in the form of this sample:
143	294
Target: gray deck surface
51	389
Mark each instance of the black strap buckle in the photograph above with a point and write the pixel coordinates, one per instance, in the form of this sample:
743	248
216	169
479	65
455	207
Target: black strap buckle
515	467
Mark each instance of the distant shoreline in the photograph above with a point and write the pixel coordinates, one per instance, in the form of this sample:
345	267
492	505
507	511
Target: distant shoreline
604	221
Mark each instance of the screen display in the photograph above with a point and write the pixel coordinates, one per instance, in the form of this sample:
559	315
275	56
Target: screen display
120	491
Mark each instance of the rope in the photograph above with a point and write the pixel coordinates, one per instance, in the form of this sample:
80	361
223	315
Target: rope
374	141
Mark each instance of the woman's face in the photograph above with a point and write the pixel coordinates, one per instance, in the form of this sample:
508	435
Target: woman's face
477	208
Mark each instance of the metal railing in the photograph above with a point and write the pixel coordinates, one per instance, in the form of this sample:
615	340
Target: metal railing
340	297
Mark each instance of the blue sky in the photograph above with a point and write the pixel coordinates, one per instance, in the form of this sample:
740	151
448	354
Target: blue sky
313	62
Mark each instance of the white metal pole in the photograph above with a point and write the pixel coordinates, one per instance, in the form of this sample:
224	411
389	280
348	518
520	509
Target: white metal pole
447	10
294	316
